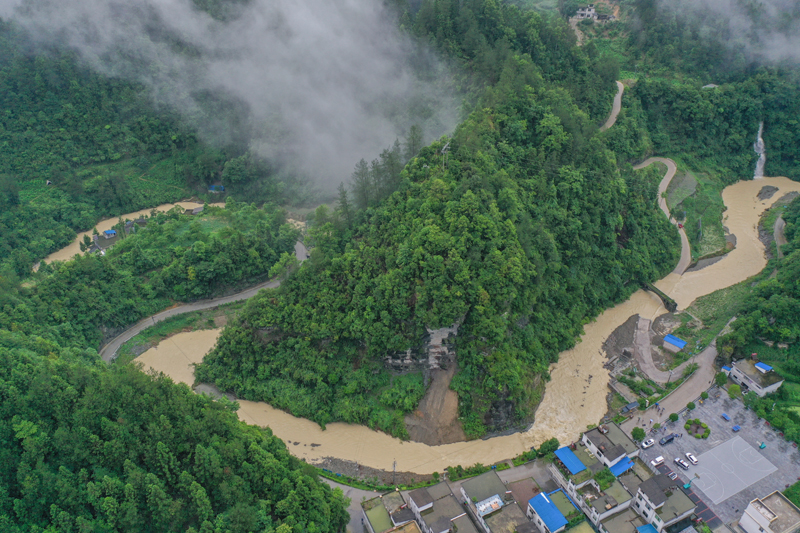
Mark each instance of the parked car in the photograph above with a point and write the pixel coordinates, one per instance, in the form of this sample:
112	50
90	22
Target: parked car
657	461
691	457
672	475
666	440
681	463
646	444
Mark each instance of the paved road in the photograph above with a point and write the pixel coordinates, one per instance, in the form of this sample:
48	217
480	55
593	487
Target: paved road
356	497
777	234
109	351
615	109
686	252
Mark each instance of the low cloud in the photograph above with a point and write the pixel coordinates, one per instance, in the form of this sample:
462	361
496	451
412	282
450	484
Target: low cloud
766	31
311	84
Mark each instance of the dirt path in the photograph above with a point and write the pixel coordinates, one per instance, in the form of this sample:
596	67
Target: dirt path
615	108
686	252
109	351
778	235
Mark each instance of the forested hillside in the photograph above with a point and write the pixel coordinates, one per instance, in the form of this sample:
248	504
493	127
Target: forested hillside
85	447
519	227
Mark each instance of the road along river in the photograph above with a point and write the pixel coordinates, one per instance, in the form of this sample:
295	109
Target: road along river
574	397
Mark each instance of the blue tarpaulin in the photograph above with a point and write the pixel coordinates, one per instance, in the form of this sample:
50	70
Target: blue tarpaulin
647	528
621	467
763	367
675	341
726	369
570	460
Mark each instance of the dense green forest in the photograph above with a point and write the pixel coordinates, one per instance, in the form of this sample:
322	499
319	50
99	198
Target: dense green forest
768	324
87	447
519	227
174	257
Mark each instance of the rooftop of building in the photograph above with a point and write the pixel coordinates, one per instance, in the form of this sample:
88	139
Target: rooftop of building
443	511
610	436
489	505
623	522
583	527
377	515
507	520
548	512
787	515
677	504
484	486
440	490
421	497
410	527
523	490
562	502
656	488
463	524
607	499
631	481
748	368
393	501
402	515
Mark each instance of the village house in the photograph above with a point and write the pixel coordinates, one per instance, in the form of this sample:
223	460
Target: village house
483	495
611	446
773	514
438	511
386	513
754	376
661	503
587	12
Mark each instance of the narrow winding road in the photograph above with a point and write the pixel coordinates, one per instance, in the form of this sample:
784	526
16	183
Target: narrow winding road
615	109
109	352
672	168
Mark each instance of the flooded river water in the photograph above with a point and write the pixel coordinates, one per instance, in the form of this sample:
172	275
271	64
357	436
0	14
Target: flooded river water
574	397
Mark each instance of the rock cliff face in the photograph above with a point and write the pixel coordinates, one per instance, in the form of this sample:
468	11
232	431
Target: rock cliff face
436	351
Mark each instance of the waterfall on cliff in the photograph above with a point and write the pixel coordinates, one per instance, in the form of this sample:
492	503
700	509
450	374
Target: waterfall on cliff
762	153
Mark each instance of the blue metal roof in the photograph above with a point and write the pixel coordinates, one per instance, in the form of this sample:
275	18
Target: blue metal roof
647	528
726	368
672	339
621	467
763	367
110	232
570	460
548	512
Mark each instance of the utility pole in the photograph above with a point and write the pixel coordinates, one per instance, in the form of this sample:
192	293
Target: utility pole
394	471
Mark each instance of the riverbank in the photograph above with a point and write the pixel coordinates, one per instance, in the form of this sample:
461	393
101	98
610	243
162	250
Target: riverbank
575	395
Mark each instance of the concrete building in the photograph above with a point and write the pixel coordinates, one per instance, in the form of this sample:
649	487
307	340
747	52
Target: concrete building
773	514
386	512
588	12
545	515
483	495
438	511
610	444
661	503
753	376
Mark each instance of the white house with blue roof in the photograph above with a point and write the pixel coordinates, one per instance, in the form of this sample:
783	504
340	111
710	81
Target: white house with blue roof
545	515
753	376
673	343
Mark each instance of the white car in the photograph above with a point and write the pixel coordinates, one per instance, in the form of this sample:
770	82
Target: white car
681	463
646	444
672	475
657	461
691	457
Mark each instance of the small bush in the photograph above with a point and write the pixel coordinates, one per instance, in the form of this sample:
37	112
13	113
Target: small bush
734	391
690	406
687	425
704	425
638	434
656	426
721	379
706	433
697	435
673	417
704	395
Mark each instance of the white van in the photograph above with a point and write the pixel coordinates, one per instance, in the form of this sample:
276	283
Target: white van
658	461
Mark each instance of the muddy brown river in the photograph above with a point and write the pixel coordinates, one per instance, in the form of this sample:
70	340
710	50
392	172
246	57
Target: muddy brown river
574	398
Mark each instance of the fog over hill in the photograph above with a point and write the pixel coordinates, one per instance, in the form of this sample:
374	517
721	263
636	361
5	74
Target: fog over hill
765	30
312	84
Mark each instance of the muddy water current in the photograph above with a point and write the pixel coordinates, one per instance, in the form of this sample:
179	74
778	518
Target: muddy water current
574	397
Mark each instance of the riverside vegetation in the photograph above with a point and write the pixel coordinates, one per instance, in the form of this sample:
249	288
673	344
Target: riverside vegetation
520	227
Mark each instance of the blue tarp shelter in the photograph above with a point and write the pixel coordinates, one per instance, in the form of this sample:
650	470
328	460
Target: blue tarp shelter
570	460
675	341
216	188
763	367
621	467
647	528
548	512
726	369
